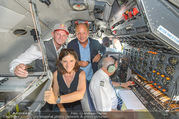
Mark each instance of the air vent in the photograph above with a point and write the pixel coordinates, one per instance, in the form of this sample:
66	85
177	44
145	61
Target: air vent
20	32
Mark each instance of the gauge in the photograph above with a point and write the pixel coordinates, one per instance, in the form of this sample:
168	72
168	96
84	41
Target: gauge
152	63
144	63
140	61
131	57
153	56
165	82
170	70
162	57
156	78
143	69
173	61
134	66
150	68
149	74
139	66
132	51
131	63
140	54
135	59
160	67
146	55
136	53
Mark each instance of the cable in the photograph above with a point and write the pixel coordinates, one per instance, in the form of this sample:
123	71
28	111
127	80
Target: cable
9	103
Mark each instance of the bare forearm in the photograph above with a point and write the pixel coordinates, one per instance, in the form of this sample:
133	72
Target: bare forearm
72	97
116	84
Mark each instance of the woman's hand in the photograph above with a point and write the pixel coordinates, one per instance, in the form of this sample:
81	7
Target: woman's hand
50	97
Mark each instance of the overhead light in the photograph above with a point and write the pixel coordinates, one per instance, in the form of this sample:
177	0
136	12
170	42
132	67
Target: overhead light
79	7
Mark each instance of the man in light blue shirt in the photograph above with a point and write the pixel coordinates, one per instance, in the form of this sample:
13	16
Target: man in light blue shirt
84	53
89	51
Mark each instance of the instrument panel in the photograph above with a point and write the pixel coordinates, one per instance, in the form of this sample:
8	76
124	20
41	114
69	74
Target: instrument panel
150	51
157	67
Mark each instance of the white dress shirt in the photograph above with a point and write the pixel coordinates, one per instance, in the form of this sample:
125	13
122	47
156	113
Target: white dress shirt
30	55
102	93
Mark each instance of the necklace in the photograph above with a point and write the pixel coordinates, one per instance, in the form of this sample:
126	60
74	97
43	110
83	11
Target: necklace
68	78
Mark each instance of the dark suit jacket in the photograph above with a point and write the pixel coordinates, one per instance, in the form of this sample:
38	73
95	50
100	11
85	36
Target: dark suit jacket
95	46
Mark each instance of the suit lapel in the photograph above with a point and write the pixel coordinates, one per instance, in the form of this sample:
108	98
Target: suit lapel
78	50
91	48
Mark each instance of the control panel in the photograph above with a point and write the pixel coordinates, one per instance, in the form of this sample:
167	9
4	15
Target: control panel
159	68
156	78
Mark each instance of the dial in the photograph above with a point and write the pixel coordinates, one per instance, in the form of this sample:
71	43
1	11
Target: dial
149	74
140	61
146	55
152	63
160	67
170	70
162	57
132	51
135	59
150	68
140	54
173	61
131	63
153	56
139	66
136	53
156	77
132	58
143	69
144	63
134	66
165	82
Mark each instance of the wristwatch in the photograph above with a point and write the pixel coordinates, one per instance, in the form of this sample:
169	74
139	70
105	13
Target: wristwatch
100	53
58	100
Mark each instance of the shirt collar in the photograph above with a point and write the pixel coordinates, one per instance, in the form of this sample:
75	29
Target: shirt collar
87	44
103	73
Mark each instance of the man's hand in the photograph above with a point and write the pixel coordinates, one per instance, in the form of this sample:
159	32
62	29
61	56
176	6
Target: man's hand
97	58
49	97
83	63
20	70
129	83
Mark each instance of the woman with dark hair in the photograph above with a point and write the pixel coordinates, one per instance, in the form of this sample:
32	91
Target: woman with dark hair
69	83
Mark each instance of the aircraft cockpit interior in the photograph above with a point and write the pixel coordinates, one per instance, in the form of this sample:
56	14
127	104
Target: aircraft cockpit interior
143	36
